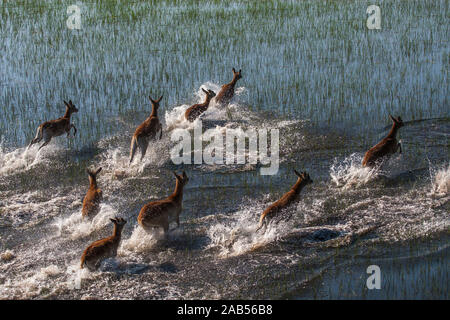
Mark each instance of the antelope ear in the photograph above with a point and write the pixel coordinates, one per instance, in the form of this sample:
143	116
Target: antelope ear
98	170
70	102
113	220
392	118
204	91
234	71
67	104
159	99
240	71
297	174
176	175
399	119
88	171
184	174
151	100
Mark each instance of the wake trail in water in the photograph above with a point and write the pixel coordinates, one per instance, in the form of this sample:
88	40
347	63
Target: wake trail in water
23	159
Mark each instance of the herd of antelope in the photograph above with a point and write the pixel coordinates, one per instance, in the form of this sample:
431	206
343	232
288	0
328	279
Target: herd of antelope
160	213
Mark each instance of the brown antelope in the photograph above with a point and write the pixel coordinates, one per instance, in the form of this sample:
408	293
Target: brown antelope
289	197
146	131
162	212
385	147
55	128
91	202
227	91
104	248
196	110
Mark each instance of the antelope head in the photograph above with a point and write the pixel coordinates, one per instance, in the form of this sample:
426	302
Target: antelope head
398	122
303	176
237	75
209	94
70	107
155	103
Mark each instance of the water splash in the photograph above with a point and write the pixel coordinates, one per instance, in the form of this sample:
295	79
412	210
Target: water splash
75	227
175	119
139	241
350	173
22	159
236	234
440	178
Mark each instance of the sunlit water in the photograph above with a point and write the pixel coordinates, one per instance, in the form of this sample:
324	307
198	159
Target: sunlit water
310	69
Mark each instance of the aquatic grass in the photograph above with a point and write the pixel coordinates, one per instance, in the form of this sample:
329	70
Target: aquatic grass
309	59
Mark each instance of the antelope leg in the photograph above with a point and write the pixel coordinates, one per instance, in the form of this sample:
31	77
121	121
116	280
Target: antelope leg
74	129
35	140
44	144
143	144
165	226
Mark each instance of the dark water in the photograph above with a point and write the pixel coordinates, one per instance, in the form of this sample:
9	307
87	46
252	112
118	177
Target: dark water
310	69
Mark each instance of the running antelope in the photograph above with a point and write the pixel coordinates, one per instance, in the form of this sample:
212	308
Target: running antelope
55	128
196	110
91	202
104	248
289	197
227	91
385	147
146	131
162	212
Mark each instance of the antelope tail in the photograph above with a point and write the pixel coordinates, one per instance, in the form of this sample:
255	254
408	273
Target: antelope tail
133	148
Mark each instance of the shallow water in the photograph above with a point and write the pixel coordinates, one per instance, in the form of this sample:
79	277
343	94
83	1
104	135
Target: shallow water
310	69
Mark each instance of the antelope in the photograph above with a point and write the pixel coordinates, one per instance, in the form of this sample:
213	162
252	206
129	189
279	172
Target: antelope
162	212
289	197
146	131
91	202
196	110
227	91
385	147
55	128
103	248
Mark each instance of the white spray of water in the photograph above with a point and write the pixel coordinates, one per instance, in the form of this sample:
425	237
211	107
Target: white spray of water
75	227
440	180
115	160
30	286
237	234
76	275
22	159
140	241
350	173
30	207
175	117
